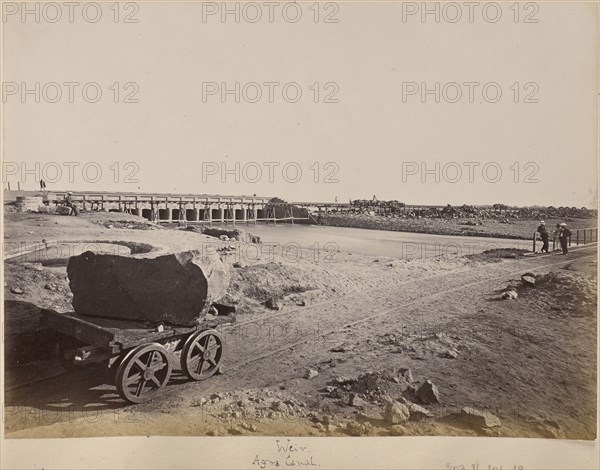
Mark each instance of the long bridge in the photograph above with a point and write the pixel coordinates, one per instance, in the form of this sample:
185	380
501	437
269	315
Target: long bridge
178	208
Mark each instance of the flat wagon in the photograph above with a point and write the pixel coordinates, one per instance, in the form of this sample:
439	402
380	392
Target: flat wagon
140	357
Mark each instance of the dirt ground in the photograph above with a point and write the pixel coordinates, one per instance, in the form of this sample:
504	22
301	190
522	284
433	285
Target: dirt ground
354	350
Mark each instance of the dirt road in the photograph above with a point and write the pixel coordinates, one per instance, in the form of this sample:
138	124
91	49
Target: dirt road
530	365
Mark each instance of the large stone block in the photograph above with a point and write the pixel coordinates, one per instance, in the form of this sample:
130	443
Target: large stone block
63	210
176	288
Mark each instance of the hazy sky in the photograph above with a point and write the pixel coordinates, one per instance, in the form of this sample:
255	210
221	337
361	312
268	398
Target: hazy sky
372	141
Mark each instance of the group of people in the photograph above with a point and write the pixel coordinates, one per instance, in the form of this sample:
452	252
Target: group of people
560	235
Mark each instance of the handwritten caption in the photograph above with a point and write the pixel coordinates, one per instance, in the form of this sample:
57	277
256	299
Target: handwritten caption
287	454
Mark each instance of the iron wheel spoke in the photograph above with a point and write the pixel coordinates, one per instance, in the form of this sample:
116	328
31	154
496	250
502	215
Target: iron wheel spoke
156	381
150	358
156	367
140	388
132	379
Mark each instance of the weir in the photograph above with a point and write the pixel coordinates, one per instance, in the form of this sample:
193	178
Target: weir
189	208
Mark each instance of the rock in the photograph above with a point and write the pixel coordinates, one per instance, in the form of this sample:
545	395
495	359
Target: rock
16	290
232	235
417	413
249	427
371	417
478	419
450	354
301	303
509	294
326	419
357	429
176	288
199	402
311	373
50	287
274	304
225	238
33	266
279	406
356	401
528	279
550	429
407	374
428	393
397	430
396	413
238	264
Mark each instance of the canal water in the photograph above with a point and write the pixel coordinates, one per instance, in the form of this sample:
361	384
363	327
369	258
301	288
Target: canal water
403	245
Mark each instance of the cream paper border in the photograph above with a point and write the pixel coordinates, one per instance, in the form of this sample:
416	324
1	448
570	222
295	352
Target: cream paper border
329	453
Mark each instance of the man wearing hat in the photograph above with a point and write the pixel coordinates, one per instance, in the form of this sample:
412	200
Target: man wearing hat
70	203
544	234
563	237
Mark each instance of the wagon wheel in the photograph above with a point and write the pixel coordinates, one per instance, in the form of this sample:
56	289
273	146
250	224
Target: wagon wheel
143	372
201	354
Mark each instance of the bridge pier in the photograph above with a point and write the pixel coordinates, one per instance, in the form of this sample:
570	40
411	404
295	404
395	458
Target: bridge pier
169	208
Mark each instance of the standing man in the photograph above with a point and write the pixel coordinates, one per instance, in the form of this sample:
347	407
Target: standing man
556	241
563	237
544	234
42	185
